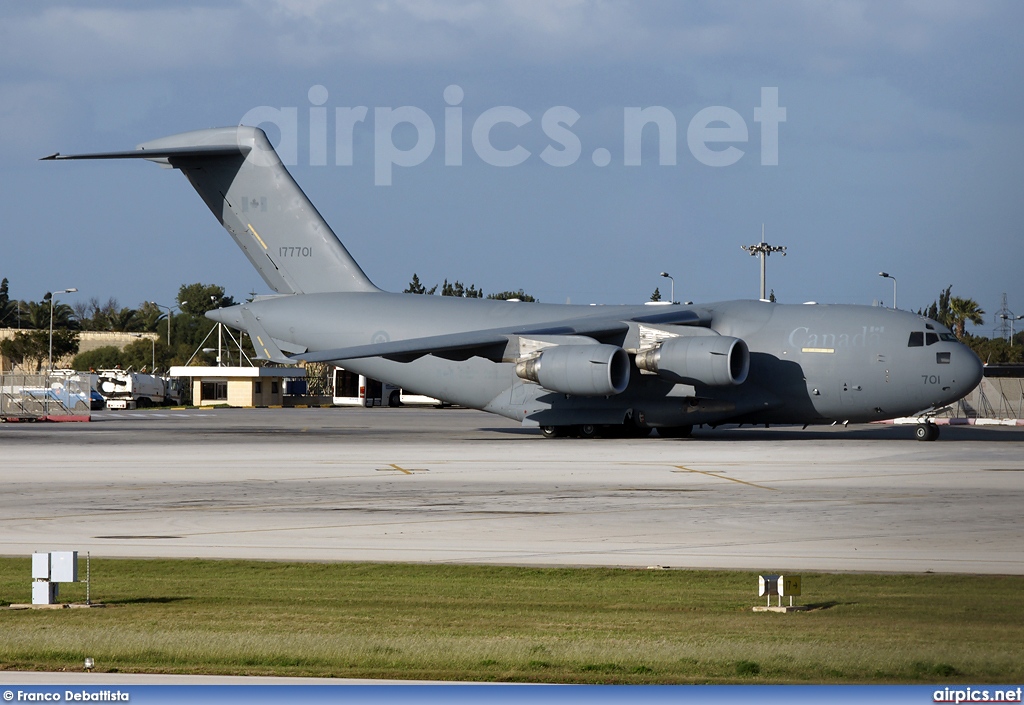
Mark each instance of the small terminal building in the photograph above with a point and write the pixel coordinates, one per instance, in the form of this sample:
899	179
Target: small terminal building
239	386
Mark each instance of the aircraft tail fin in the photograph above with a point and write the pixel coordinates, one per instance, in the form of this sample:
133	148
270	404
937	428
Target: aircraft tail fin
242	180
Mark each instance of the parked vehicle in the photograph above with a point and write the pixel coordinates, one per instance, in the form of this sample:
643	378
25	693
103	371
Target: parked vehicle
351	389
124	389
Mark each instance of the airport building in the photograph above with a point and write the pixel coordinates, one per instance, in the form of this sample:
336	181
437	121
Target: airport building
239	386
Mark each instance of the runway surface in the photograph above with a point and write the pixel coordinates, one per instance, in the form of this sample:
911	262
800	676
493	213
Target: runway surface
457	486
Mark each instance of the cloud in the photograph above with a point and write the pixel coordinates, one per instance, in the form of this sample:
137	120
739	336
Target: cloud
528	31
789	35
87	42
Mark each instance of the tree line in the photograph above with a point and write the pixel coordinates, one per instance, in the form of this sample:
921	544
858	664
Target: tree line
188	327
457	288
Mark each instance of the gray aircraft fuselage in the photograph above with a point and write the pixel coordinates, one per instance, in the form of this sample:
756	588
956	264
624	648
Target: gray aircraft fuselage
809	363
555	366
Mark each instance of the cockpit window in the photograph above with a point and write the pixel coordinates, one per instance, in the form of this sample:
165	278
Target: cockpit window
916	340
929	326
931	338
942	358
947	337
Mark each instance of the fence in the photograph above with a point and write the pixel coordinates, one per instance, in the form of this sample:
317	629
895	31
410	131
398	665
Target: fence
44	398
994	398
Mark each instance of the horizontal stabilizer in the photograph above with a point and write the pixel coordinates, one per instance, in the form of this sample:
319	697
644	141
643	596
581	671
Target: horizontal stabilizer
175	152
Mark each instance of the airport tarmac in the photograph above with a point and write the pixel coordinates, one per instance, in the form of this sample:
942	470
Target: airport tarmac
458	486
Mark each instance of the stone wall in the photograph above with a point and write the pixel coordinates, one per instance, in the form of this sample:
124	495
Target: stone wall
87	340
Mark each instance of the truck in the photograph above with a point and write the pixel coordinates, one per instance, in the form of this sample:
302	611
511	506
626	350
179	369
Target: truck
124	389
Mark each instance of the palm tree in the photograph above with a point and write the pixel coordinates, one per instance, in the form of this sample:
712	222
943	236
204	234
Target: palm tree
962	311
125	319
37	315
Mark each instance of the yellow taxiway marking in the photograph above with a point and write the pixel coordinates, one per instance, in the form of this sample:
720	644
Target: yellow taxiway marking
683	468
407	471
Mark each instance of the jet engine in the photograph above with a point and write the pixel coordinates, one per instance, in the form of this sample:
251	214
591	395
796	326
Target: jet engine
714	360
580	370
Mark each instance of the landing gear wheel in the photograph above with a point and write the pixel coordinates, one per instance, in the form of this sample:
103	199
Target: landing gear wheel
675	431
633	426
587	430
926	432
553	431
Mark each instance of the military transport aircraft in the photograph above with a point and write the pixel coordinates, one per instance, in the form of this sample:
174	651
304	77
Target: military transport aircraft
569	370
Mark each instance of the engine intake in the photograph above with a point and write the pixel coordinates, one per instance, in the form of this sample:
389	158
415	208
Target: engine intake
714	360
580	370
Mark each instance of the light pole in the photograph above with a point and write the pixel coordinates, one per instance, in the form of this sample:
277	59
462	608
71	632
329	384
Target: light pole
49	362
152	362
886	275
669	277
763	249
1011	319
169	308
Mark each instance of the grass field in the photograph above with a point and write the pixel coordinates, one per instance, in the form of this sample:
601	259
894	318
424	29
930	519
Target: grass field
516	624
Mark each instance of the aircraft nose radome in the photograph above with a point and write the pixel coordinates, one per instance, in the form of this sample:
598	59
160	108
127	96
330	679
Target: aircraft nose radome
969	370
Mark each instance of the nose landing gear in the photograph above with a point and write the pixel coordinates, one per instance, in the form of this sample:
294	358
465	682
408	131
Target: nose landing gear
926	432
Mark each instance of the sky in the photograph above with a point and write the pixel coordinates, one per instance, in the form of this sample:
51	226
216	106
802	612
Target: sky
571	148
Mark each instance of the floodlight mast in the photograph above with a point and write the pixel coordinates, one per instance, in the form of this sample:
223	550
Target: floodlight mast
672	296
1011	318
49	359
169	309
886	275
763	250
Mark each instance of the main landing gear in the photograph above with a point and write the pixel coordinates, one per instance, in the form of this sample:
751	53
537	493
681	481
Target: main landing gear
628	430
926	432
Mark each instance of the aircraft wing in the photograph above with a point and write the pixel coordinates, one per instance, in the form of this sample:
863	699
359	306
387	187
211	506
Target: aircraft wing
491	343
